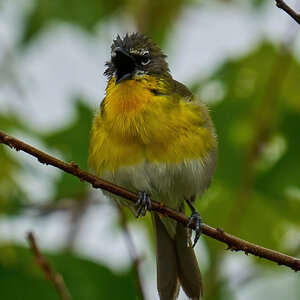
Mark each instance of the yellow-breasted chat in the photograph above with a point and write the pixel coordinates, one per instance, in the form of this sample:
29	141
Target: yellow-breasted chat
152	136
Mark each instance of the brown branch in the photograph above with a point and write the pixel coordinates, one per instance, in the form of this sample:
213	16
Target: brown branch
281	4
233	242
50	273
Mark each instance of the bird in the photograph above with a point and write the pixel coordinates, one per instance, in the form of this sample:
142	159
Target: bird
151	135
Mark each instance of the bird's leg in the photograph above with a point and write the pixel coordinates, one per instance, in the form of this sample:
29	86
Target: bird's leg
143	204
195	217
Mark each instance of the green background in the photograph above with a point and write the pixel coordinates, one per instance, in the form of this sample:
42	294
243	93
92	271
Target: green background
256	191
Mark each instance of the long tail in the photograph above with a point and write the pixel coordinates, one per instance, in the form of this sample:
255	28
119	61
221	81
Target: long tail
176	263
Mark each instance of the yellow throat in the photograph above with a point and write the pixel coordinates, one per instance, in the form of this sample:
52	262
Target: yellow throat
143	119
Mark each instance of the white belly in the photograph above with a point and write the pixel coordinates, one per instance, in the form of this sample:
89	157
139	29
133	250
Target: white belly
167	183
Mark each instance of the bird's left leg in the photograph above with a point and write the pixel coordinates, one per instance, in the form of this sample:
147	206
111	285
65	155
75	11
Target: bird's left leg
143	204
195	217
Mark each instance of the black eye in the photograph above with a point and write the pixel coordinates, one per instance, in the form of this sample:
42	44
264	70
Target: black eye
145	58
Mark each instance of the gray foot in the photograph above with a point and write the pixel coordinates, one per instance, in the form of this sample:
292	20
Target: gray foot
195	217
143	204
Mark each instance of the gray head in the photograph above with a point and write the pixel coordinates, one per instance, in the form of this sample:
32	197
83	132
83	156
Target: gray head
135	55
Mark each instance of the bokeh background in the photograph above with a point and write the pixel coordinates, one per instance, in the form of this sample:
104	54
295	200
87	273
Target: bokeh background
242	58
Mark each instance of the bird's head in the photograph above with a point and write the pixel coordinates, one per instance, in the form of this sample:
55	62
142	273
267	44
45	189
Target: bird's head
135	56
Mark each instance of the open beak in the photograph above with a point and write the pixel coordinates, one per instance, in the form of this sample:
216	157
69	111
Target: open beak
125	65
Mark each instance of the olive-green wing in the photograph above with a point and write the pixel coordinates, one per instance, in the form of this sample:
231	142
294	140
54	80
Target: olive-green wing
182	90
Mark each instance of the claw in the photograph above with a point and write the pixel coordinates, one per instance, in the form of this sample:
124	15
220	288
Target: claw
195	217
144	203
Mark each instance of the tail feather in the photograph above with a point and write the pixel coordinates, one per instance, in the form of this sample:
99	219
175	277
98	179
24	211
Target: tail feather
188	269
175	262
167	280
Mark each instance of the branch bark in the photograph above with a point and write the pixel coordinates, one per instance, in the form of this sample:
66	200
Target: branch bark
50	273
281	4
233	243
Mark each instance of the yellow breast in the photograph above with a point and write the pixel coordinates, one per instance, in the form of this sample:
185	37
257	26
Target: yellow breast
136	123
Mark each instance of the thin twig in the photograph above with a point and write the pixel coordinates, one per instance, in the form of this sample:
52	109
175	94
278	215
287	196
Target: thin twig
132	251
233	242
281	4
49	271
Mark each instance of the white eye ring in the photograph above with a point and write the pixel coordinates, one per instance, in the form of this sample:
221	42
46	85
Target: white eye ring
145	58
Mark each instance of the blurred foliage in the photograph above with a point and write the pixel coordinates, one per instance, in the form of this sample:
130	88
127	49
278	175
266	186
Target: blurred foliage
256	191
152	17
84	13
84	279
259	109
11	194
73	142
276	169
